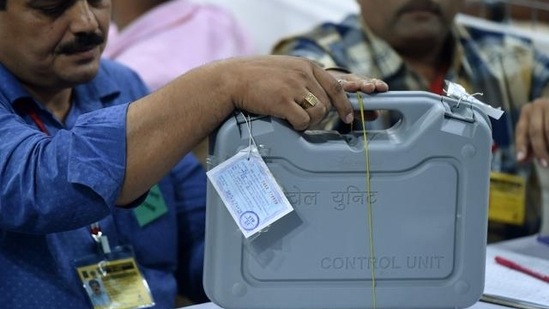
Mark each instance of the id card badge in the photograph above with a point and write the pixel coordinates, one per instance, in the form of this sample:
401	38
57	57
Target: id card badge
114	281
507	198
249	191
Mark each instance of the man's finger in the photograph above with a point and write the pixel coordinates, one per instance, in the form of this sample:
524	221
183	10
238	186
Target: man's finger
336	94
521	134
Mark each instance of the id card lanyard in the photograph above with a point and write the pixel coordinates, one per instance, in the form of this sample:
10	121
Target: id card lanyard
101	240
30	110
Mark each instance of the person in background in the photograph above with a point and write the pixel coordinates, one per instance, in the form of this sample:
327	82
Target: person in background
83	143
161	39
416	45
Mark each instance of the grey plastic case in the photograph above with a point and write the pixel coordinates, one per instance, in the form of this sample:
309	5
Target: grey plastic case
429	180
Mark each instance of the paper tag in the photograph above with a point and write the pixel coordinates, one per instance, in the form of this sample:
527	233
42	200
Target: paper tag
249	191
457	91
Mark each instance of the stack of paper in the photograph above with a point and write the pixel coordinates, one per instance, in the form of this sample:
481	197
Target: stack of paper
513	288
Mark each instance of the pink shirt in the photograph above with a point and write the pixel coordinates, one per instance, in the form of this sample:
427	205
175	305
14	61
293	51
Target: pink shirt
175	37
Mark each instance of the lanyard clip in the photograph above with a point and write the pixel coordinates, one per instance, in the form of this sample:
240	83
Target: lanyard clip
101	240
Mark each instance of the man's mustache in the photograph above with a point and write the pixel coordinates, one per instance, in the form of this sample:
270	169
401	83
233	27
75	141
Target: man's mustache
81	42
425	5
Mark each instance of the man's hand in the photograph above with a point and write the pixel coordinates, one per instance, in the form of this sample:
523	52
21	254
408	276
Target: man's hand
295	89
354	83
532	132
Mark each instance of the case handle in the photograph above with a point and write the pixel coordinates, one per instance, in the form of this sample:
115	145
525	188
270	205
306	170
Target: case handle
412	105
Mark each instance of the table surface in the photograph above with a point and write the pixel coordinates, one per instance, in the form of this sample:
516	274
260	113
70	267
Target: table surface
525	245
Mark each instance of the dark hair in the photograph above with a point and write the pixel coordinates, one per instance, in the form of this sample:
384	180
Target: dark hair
3	4
92	281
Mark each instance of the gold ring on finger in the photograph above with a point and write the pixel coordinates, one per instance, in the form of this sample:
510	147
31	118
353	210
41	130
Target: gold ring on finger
310	100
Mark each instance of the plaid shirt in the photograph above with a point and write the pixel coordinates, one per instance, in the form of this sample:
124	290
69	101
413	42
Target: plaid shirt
506	69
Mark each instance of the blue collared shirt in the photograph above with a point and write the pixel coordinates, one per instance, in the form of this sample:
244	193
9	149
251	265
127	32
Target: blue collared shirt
55	185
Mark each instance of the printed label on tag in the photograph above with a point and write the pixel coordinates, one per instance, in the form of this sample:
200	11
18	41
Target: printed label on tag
249	191
507	198
152	208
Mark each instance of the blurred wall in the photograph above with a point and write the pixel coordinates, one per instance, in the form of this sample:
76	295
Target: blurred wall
269	20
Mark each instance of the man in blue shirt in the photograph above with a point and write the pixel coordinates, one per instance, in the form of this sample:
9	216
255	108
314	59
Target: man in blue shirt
72	149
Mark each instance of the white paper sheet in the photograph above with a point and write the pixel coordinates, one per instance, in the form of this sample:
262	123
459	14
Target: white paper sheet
514	285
